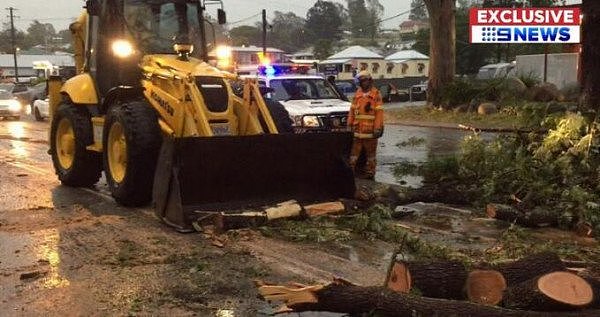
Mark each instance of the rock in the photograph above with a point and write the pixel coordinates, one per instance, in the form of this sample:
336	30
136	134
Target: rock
545	92
487	108
515	85
328	208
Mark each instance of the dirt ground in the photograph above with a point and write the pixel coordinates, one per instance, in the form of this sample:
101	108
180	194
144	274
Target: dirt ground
75	252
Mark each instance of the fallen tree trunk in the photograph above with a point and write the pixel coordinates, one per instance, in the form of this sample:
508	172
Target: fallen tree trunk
530	267
535	218
227	221
556	291
350	299
485	287
430	279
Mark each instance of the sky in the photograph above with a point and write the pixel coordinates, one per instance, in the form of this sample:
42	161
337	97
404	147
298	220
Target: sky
61	12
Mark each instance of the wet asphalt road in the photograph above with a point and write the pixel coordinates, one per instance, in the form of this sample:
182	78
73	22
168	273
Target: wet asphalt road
75	252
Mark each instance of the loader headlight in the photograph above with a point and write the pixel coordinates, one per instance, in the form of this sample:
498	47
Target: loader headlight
122	48
311	121
14	106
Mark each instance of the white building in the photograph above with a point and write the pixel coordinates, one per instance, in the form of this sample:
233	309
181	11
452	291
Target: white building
347	63
407	63
26	67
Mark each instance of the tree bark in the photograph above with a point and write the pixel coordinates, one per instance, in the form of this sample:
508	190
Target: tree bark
442	47
350	299
430	279
485	287
530	267
558	291
591	54
534	219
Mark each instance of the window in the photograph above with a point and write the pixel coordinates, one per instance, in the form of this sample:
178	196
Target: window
298	89
421	68
390	68
347	68
404	68
375	68
364	66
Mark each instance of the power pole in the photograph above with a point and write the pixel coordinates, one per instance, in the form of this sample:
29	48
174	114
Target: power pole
264	32
14	41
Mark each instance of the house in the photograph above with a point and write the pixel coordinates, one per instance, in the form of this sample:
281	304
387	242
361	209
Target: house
347	63
307	54
412	27
406	63
245	59
27	70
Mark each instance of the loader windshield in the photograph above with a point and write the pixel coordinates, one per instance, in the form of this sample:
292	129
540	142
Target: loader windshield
156	25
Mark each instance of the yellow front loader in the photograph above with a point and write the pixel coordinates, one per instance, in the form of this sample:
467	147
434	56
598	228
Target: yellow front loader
166	127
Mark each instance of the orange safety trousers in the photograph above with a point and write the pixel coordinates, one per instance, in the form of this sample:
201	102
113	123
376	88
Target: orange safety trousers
369	146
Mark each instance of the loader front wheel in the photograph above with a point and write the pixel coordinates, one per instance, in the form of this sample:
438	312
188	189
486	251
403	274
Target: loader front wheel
70	133
132	141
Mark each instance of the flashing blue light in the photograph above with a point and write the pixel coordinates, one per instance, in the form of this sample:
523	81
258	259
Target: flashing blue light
270	70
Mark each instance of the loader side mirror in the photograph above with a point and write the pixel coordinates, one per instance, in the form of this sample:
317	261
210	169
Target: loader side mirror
221	16
93	7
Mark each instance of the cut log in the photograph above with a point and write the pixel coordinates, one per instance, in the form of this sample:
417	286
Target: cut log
329	208
430	279
550	292
535	218
288	209
530	267
485	287
595	285
227	221
348	299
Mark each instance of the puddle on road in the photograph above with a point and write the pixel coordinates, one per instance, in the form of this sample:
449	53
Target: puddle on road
437	142
23	252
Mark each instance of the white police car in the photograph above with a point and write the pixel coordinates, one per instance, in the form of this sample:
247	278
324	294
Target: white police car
311	101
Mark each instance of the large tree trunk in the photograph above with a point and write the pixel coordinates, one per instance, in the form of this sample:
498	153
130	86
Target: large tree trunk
442	47
430	279
591	54
551	292
530	267
485	287
534	218
350	299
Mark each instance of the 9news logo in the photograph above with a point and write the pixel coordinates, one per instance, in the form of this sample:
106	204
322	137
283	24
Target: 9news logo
528	25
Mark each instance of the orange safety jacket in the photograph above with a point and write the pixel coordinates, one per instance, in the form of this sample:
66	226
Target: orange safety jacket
364	122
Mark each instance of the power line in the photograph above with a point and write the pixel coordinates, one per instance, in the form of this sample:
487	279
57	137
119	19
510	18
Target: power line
245	19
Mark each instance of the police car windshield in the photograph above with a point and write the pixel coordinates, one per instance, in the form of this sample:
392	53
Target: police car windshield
5	95
157	24
301	89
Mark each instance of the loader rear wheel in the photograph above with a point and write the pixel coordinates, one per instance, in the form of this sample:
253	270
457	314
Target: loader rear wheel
70	133
132	140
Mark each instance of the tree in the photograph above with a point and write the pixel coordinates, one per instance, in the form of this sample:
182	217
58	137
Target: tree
418	11
323	49
245	35
375	12
359	17
6	41
442	47
288	31
591	54
40	33
323	21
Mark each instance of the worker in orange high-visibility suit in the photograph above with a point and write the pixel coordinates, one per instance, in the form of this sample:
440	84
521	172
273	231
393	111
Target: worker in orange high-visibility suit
365	119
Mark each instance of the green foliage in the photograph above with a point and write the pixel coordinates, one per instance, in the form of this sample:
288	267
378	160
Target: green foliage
530	79
323	49
364	17
324	21
245	35
418	11
558	172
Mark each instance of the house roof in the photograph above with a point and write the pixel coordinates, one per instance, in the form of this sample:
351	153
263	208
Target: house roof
354	52
335	61
6	60
406	55
305	52
253	49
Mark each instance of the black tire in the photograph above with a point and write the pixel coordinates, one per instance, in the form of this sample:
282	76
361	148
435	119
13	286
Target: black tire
86	168
143	139
280	115
37	114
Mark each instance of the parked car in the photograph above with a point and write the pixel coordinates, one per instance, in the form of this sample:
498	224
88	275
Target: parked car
10	107
18	90
418	92
348	88
389	93
492	71
40	109
37	92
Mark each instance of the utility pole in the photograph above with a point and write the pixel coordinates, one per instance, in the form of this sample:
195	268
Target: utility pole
14	41
264	32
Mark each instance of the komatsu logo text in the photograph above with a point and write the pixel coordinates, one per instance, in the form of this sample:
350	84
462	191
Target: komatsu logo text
163	103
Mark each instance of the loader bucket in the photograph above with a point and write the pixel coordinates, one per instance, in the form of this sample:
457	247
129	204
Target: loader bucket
203	174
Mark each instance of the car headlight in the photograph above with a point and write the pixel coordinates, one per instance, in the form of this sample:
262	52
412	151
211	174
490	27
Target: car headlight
14	106
311	121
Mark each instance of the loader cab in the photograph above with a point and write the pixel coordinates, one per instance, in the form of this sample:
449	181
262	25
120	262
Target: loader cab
121	32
